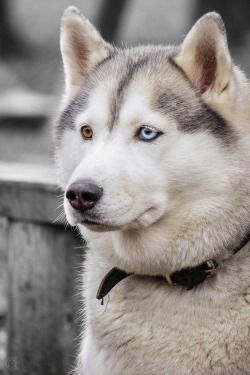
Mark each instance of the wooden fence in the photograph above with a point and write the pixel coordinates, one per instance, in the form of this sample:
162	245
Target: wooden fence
39	266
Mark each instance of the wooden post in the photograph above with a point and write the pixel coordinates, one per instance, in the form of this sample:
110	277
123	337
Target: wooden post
3	293
43	259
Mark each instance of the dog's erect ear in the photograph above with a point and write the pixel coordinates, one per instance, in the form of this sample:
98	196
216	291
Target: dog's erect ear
82	48
204	55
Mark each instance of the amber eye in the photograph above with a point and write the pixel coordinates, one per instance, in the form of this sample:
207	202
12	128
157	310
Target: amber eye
87	132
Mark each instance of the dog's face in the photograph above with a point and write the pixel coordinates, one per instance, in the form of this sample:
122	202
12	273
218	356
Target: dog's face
139	137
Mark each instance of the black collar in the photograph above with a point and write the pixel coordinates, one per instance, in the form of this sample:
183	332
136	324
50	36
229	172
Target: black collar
188	276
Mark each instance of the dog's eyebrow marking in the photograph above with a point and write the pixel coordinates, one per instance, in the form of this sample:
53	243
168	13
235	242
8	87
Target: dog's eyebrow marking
191	120
117	99
79	103
67	117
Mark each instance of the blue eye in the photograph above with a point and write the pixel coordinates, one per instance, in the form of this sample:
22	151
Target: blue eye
148	134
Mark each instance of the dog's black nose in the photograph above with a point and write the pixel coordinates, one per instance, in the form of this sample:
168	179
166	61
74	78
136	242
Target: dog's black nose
83	195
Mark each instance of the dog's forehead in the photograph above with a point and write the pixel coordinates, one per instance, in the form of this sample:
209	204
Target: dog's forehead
127	88
131	83
110	107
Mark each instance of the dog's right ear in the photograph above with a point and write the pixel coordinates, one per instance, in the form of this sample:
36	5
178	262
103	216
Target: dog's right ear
82	48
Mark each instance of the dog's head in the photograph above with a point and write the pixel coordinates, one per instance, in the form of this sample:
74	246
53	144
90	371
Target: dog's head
150	133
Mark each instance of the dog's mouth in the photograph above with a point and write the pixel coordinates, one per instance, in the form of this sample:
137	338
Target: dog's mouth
102	226
91	222
98	226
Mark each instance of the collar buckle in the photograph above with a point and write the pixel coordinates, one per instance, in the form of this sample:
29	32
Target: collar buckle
193	276
169	280
212	268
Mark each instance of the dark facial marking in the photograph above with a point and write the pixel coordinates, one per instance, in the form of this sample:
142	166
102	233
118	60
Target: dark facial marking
79	103
66	119
131	69
194	116
204	117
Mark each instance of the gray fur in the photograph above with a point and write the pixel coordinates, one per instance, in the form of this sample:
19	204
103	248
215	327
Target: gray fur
190	121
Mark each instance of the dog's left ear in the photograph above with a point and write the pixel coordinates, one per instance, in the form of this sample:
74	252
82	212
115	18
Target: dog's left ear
204	55
82	48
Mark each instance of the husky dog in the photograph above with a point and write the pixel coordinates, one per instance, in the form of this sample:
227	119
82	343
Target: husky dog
153	154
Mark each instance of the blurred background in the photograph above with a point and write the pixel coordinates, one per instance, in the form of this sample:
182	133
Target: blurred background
38	259
31	76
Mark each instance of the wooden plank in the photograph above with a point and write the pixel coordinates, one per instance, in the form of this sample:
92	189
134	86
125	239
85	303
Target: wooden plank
3	294
29	192
42	261
25	202
28	173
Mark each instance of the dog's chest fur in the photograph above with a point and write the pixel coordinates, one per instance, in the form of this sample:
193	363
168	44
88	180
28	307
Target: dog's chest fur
146	327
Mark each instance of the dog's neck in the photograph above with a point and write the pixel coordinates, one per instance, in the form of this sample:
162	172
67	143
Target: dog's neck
188	277
185	237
